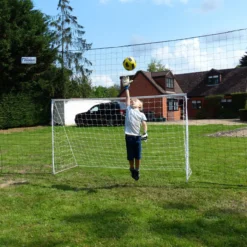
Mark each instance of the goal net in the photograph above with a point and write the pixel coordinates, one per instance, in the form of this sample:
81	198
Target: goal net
90	133
207	68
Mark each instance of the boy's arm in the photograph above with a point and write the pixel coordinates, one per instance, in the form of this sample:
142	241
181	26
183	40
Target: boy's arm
127	97
126	83
144	137
145	127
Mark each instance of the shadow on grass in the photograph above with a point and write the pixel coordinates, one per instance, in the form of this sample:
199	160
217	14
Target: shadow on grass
202	184
179	206
217	227
108	223
89	189
93	189
38	242
192	185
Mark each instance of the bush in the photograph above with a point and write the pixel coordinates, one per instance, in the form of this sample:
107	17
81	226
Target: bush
243	114
212	107
225	113
201	114
238	101
17	110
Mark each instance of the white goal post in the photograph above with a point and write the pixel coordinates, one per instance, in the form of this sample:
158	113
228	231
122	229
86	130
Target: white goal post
90	133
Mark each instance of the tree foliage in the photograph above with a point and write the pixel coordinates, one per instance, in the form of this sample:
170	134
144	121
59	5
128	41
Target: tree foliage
105	92
69	40
156	66
243	61
24	32
61	70
25	90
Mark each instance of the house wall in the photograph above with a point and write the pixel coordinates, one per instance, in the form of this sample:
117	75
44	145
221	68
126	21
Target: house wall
155	105
160	81
192	112
164	108
142	87
174	115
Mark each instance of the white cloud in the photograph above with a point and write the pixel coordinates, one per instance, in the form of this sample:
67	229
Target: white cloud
102	80
162	53
160	2
104	1
137	50
126	1
184	1
210	5
191	55
156	2
137	39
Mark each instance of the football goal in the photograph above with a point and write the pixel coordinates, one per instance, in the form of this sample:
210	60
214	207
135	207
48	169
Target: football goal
90	133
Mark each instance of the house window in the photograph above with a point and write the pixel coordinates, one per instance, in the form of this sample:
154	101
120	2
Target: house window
226	103
213	80
169	82
196	104
172	104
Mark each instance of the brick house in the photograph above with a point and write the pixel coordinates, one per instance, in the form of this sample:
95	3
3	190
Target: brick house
156	83
196	85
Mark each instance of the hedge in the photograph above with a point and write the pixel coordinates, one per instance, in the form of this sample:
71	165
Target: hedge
19	110
212	107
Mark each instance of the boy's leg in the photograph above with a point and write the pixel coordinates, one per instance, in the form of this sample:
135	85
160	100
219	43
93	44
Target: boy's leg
132	168
130	154
137	166
131	162
138	150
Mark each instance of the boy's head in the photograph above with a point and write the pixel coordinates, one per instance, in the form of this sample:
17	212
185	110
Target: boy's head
136	103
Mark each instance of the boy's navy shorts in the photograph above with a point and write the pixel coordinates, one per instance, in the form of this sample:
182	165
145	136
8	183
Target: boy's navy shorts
134	147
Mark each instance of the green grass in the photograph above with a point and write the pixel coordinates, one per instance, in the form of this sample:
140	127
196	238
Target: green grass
85	207
106	207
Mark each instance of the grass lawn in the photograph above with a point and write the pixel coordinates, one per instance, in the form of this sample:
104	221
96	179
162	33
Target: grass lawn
106	207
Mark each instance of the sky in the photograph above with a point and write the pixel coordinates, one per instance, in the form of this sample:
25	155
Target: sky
114	23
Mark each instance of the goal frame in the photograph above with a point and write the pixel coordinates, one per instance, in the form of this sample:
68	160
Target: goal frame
187	168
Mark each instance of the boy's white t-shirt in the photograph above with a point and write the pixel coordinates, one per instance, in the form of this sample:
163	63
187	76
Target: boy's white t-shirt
133	121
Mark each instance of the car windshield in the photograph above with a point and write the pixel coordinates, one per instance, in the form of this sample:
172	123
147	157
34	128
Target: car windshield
122	105
95	108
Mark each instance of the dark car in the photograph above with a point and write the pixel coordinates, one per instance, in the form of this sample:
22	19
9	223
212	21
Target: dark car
104	114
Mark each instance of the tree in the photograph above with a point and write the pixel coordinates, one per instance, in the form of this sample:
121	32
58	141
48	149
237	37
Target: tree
105	92
24	32
243	61
156	66
78	88
70	41
99	92
113	91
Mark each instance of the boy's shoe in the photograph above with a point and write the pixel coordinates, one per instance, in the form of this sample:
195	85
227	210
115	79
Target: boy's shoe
137	175
133	173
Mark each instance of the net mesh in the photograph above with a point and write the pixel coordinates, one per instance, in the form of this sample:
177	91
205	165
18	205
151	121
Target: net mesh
217	147
96	139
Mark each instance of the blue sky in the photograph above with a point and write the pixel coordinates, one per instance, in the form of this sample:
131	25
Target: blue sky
123	22
113	23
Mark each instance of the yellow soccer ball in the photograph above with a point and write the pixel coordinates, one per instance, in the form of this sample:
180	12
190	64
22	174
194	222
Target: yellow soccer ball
129	63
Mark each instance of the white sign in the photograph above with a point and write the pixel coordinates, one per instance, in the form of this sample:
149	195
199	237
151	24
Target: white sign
28	60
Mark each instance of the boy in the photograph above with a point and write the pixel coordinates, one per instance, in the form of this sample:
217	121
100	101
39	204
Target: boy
133	121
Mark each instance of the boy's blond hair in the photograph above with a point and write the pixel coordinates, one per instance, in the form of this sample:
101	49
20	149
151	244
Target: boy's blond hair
140	103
